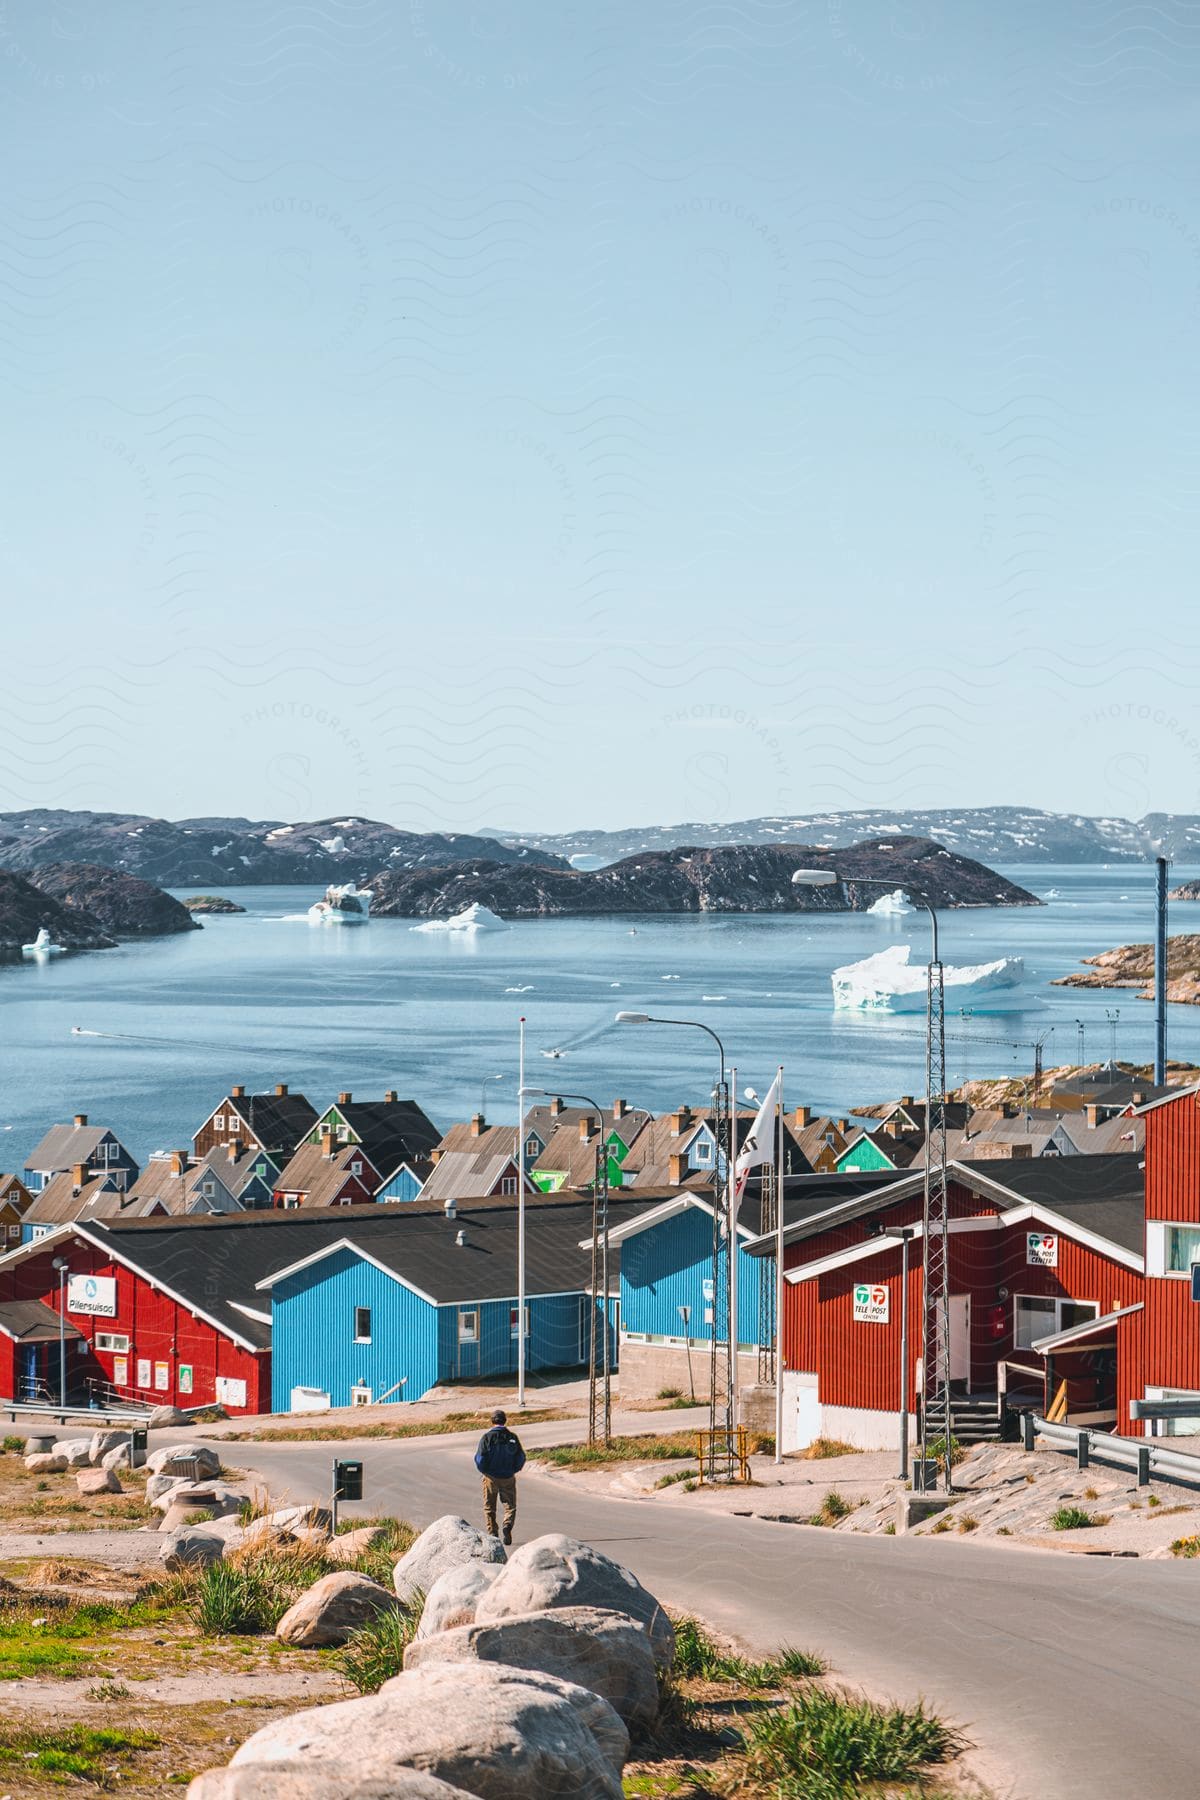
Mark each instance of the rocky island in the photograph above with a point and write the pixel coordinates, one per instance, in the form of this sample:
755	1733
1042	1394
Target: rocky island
1132	966
83	907
24	910
1187	890
211	903
747	878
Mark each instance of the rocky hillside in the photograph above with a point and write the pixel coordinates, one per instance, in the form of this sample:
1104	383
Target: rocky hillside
1003	834
24	910
124	905
236	852
749	878
1132	966
1187	890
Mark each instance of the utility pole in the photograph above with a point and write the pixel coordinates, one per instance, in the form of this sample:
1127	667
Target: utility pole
521	1345
1160	971
936	1415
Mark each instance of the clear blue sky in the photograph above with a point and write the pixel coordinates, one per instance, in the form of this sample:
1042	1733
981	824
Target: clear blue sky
555	414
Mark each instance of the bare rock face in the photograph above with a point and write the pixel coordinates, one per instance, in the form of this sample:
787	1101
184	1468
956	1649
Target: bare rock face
559	1571
45	1462
446	1544
124	905
452	1599
607	1652
1132	966
97	1481
332	1608
300	1781
193	1548
504	1734
311	1518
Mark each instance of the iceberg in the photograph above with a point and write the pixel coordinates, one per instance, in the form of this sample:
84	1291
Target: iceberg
42	946
891	906
471	918
345	905
889	982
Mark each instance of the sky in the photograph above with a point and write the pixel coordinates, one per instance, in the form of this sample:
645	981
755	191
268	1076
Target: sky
546	416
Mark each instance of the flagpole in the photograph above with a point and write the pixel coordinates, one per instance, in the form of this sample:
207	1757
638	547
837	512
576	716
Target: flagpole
779	1273
731	1251
521	1217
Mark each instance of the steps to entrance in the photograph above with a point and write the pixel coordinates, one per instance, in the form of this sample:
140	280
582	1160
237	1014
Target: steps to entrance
975	1418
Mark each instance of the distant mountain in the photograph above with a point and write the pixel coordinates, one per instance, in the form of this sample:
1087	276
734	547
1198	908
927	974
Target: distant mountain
998	834
742	879
220	852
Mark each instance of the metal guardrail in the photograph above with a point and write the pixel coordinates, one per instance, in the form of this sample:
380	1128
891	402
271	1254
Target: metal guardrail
1147	1456
105	1415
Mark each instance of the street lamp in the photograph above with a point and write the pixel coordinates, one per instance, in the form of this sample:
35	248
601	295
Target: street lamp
935	1360
725	1102
60	1263
599	1231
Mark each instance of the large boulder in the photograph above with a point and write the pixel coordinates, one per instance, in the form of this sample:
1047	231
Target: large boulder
332	1608
119	1457
102	1442
557	1571
206	1461
454	1596
180	1516
446	1544
312	1518
299	1781
506	1734
74	1451
607	1652
158	1485
193	1548
97	1481
45	1462
348	1546
163	1418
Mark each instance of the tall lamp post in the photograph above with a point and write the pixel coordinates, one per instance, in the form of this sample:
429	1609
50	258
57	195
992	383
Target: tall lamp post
60	1264
726	1212
599	1277
935	1223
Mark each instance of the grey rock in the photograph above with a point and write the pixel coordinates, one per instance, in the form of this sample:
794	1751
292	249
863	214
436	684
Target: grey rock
178	1517
104	1441
332	1608
207	1461
314	1518
119	1457
504	1734
74	1450
193	1548
45	1462
216	1496
300	1781
352	1544
162	1418
558	1571
607	1652
97	1481
446	1544
454	1596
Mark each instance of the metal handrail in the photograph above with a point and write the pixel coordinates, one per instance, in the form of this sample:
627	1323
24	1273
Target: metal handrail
1146	1455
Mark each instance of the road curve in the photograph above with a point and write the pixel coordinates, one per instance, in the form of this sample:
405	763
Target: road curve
1076	1677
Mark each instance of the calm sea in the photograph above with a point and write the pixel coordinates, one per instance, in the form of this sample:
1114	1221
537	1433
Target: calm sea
262	997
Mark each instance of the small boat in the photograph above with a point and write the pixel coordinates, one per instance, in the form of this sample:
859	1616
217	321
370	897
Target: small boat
554	1053
43	946
346	905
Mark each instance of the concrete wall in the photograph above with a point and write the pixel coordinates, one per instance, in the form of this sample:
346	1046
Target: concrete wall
865	1429
648	1368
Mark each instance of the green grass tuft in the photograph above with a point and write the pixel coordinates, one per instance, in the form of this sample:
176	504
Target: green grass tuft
699	1657
375	1652
73	1751
1074	1518
833	1507
824	1744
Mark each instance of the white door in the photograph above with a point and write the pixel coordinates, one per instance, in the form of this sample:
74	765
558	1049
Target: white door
808	1417
960	1338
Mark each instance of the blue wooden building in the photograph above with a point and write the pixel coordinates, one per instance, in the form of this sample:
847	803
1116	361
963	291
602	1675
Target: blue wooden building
410	1296
404	1182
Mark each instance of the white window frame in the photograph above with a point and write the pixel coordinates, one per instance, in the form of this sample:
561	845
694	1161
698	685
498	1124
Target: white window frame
116	1341
702	1152
356	1168
361	1337
219	1122
508	1185
360	1394
468	1333
512	1324
1158	1248
1057	1301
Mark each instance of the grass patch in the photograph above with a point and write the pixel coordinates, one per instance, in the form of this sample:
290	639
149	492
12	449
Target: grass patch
375	1652
1074	1518
822	1447
698	1657
75	1750
833	1507
825	1744
12	1442
321	1434
654	1447
43	1634
968	1523
677	1475
937	1450
1188	1547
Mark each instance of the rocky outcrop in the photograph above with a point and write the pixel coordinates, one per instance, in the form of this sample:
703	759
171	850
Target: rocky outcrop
747	879
211	903
1132	966
193	1548
1187	890
125	905
607	1652
332	1608
557	1571
233	852
24	910
448	1543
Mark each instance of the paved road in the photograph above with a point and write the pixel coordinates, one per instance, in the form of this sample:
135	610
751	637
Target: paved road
1075	1676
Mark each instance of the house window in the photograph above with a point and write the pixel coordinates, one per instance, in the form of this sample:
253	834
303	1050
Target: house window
14	1230
219	1122
508	1184
1038	1316
115	1341
356	1168
513	1315
291	1202
362	1324
1178	1427
702	1150
468	1327
1183	1248
533	1147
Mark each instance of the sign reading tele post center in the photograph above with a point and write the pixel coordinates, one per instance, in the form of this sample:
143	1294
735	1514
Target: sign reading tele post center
1041	1248
92	1294
871	1303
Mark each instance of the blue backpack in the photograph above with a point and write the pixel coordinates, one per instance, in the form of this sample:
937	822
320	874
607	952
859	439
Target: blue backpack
499	1454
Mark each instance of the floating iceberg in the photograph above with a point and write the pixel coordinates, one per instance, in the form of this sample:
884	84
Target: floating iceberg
888	982
471	918
893	905
42	946
346	905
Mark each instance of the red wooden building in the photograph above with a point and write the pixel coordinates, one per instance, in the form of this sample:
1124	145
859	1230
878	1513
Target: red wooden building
1039	1251
150	1315
1163	1356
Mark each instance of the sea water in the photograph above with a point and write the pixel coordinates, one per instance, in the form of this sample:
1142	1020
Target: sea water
167	1025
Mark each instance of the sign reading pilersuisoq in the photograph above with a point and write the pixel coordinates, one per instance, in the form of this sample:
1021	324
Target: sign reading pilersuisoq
92	1294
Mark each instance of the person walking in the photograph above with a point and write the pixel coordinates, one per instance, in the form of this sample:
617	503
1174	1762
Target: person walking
500	1459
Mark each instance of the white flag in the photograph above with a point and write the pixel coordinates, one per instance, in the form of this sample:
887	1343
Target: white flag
759	1145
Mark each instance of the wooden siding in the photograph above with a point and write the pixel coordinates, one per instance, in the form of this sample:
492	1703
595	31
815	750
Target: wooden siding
665	1267
1170	1334
313	1332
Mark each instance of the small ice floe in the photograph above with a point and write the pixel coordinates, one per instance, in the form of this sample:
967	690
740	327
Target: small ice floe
527	989
714	996
43	946
472	918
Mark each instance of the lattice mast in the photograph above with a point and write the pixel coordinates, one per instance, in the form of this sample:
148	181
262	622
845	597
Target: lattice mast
935	1388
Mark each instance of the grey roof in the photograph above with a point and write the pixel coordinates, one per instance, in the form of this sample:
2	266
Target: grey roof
61	1202
390	1131
65	1145
177	1193
1102	1194
33	1322
276	1121
319	1178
